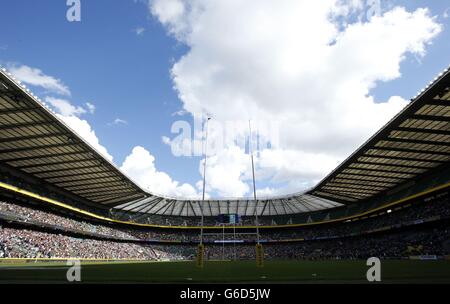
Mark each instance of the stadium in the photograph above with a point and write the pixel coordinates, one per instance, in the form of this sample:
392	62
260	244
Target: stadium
61	200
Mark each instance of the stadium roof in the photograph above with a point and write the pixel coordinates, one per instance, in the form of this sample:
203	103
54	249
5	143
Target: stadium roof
292	204
35	141
414	142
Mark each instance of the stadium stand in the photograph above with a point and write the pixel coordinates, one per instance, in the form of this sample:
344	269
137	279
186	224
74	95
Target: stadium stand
432	208
31	233
23	243
59	198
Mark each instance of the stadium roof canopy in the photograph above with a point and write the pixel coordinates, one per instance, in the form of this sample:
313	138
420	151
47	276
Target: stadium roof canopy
33	140
414	142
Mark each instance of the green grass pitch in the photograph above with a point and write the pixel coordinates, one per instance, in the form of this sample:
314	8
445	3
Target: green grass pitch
407	271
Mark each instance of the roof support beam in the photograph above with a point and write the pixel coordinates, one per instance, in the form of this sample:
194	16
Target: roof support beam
31	137
192	208
360	181
412	151
103	190
297	205
402	158
158	200
17	110
66	169
110	193
146	213
283	204
165	206
46	164
81	179
335	196
25	125
312	207
436	102
397	179
356	186
48	178
182	208
393	165
34	148
382	171
17	159
431	117
272	210
168	205
419	130
416	141
351	191
305	204
246	207
173	207
264	208
117	199
210	208
142	206
288	205
91	185
127	205
343	194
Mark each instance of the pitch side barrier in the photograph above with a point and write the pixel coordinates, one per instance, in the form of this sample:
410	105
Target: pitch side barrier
365	214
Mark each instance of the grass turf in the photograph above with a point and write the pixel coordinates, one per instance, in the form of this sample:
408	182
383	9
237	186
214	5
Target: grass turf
407	271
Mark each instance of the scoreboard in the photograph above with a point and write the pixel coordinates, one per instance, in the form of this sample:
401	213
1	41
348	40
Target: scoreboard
229	219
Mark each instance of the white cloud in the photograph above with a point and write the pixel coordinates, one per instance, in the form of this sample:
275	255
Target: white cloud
227	171
118	121
36	77
306	64
166	140
90	107
84	129
140	166
170	13
139	31
70	115
64	107
286	165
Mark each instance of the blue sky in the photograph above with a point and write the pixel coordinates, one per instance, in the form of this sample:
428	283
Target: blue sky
127	76
103	61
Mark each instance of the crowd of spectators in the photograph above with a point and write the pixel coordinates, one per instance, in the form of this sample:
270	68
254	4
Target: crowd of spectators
437	207
348	240
22	243
434	209
27	214
396	245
